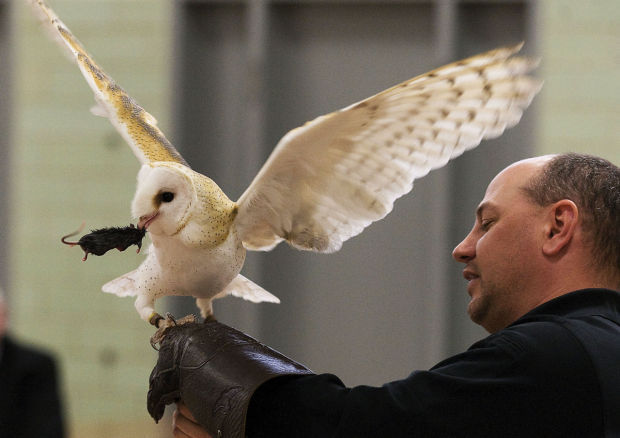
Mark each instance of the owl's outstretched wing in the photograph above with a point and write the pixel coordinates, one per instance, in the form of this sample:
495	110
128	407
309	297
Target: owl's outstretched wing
136	126
329	179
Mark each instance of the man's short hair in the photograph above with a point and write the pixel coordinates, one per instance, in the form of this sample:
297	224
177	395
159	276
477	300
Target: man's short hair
593	184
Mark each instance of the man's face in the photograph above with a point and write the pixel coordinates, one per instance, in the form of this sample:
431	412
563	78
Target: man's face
502	250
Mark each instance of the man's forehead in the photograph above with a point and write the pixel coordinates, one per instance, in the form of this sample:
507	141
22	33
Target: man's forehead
508	183
533	162
519	173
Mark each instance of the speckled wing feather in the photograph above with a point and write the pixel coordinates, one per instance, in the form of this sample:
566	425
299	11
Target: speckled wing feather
138	127
329	179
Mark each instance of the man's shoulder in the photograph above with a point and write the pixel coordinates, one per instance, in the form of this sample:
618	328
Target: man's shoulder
535	337
560	347
574	320
26	355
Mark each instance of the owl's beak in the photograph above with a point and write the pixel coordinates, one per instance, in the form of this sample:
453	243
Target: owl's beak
146	220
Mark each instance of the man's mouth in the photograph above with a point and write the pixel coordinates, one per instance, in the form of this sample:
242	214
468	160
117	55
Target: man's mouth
471	277
146	220
469	274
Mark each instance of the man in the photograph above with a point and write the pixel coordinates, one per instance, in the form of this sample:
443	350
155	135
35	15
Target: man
542	263
29	398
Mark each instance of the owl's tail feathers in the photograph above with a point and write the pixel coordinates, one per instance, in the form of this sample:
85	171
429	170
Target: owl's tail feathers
241	287
123	286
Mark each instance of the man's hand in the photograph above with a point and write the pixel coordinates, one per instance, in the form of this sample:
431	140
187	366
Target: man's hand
184	425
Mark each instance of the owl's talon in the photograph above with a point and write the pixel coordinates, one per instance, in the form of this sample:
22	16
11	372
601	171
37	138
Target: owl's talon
164	324
171	318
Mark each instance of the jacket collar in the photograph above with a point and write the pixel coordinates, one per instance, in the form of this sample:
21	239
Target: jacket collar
583	302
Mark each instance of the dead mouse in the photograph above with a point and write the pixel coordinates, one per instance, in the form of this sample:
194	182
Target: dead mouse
98	242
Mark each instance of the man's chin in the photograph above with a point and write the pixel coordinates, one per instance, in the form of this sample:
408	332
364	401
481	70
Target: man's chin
475	310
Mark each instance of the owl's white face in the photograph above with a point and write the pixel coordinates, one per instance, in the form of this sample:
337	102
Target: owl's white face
163	199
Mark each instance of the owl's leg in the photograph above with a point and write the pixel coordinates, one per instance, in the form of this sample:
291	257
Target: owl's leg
165	324
145	305
206	307
162	323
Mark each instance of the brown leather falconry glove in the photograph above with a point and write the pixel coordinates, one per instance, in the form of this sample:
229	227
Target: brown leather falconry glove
214	369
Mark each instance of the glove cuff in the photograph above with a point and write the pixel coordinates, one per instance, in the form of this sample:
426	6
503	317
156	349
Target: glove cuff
217	388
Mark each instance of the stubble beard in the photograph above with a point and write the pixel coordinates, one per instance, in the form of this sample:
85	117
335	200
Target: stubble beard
488	308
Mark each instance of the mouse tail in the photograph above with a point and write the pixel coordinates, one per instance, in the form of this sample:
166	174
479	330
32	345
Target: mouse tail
63	239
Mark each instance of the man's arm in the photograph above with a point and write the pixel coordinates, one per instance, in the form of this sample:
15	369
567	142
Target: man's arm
513	385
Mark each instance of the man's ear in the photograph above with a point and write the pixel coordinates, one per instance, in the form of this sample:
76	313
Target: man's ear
560	226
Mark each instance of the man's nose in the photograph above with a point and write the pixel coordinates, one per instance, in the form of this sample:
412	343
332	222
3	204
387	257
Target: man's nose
465	251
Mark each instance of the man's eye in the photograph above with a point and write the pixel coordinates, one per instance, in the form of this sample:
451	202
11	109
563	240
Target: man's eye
485	224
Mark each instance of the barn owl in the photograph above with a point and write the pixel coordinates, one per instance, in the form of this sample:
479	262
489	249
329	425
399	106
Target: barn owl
323	183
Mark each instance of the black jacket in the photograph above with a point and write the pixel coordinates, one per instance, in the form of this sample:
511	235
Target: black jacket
29	397
555	372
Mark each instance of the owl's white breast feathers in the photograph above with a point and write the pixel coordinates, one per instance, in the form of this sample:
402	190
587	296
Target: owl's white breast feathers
329	179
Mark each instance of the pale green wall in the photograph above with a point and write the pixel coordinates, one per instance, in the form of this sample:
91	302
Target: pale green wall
71	166
580	102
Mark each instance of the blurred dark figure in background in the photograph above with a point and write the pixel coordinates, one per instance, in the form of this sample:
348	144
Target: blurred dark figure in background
29	398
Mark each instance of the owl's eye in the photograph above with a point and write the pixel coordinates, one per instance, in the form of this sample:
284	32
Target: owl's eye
167	196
